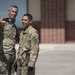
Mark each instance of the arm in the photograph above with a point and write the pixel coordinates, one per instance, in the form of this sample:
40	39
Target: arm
34	51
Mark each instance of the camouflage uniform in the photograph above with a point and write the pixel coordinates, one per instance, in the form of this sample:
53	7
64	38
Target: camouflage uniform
28	50
7	48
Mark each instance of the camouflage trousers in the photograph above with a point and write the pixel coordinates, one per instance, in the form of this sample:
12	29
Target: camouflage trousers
6	62
22	65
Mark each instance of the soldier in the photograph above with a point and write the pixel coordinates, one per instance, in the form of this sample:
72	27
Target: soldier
8	34
28	47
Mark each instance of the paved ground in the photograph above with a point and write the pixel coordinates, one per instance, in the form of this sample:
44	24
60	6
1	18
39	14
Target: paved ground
57	59
60	61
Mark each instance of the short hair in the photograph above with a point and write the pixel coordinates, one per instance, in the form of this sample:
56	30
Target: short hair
29	16
14	6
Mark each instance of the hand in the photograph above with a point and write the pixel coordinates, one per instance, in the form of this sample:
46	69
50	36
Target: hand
30	69
16	67
2	20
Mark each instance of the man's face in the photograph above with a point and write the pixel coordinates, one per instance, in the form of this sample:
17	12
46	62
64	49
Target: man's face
12	12
25	21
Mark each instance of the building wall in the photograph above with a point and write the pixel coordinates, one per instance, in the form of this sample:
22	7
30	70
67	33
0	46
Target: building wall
34	8
70	21
53	20
70	31
70	10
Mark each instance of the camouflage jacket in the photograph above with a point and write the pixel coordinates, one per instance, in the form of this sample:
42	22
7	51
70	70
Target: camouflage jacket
29	41
7	38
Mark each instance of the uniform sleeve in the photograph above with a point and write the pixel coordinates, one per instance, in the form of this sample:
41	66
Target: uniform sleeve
20	38
17	34
1	34
34	49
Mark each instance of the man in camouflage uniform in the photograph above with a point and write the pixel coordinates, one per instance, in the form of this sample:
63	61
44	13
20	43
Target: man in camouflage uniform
8	34
28	47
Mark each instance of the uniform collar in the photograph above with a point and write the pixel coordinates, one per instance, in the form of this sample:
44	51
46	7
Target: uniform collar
27	30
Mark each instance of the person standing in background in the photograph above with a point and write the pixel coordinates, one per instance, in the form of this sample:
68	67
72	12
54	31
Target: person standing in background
28	47
8	36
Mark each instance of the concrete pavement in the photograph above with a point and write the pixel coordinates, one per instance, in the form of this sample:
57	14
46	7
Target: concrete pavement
55	59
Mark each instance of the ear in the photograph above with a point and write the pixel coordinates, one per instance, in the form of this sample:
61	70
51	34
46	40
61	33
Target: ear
31	21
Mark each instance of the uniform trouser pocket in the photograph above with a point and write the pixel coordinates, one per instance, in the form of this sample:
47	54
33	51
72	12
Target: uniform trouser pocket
22	70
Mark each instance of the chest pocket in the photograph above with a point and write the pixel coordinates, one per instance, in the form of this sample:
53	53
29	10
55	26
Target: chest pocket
9	32
26	40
